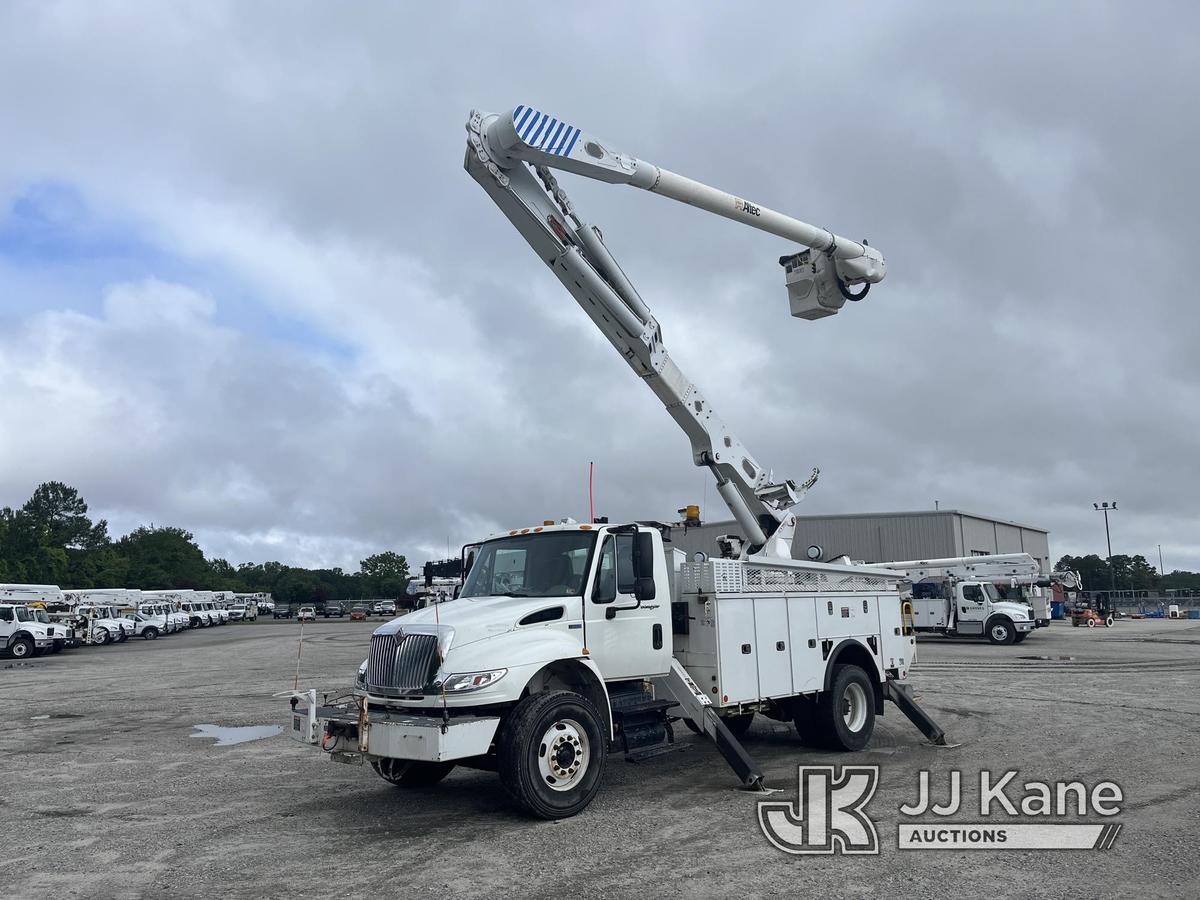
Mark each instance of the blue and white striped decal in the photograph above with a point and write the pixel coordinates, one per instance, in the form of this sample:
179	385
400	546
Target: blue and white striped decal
543	132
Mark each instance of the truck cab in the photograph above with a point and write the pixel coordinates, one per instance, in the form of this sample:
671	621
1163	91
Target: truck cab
62	633
99	626
21	634
969	609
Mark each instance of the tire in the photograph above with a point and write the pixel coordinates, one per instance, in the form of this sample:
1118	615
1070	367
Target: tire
122	637
1108	623
738	725
844	715
804	710
1020	637
150	634
1091	623
551	754
22	648
409	773
101	636
1000	631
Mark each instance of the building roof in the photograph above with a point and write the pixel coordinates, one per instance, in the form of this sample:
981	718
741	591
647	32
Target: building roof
909	513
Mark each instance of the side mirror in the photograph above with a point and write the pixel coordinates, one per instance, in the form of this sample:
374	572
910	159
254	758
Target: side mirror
643	566
643	555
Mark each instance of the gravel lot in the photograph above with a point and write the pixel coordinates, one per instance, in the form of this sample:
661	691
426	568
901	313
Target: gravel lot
111	796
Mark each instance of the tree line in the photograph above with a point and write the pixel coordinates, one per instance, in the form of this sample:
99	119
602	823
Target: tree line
52	540
1129	573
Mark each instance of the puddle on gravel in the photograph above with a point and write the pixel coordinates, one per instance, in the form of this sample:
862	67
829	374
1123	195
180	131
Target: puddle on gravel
227	736
57	716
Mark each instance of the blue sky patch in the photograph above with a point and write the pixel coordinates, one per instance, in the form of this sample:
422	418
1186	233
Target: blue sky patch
57	252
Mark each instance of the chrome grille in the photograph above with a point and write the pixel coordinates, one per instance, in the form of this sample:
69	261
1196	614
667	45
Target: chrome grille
401	663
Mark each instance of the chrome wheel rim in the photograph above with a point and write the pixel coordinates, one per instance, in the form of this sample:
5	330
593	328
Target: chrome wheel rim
563	755
999	632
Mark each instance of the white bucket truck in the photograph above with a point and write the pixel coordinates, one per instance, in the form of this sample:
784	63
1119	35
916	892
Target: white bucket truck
958	596
570	640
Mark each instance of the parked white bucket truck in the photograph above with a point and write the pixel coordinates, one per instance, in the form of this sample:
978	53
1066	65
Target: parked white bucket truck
958	596
569	640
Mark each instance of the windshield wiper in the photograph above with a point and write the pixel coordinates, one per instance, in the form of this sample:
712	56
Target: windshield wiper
510	594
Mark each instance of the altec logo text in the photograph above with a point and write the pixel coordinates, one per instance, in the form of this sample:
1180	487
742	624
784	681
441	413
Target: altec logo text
830	815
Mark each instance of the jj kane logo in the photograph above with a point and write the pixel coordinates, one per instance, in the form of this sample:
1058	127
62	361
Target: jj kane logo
829	815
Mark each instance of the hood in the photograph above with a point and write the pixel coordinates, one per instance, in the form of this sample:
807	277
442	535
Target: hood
1012	609
472	619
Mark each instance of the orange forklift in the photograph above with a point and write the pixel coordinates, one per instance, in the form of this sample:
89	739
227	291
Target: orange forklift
1092	610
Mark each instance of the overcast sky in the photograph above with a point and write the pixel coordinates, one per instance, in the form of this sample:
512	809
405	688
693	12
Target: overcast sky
247	288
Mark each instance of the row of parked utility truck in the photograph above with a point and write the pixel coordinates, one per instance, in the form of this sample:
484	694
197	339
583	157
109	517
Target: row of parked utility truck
38	618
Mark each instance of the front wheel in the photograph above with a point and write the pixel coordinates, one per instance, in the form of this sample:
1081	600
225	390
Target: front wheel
552	753
409	773
22	648
100	636
1091	623
150	634
844	716
1001	631
1108	623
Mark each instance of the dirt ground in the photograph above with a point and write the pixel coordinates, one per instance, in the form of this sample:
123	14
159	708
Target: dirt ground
106	793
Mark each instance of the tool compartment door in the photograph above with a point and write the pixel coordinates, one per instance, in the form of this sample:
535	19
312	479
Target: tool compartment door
847	615
736	651
808	665
772	646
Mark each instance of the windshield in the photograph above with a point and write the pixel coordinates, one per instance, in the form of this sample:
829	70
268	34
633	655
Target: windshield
992	593
24	615
553	564
41	616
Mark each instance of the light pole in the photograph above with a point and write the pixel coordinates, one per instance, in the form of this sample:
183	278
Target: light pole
1105	507
1161	570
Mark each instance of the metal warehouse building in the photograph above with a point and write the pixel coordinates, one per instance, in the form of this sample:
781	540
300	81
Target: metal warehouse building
881	537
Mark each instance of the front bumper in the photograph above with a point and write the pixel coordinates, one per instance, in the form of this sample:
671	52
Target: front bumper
1042	623
1025	627
341	730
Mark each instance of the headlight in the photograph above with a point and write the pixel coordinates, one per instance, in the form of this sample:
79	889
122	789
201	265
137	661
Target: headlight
361	679
471	681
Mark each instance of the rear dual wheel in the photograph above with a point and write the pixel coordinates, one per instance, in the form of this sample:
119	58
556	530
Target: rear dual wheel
842	717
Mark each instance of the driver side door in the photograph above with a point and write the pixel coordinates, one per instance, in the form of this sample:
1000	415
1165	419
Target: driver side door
972	608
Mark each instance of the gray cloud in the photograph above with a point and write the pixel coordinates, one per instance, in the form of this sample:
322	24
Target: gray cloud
1026	171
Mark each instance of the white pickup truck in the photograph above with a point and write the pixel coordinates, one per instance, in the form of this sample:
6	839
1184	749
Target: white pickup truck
21	634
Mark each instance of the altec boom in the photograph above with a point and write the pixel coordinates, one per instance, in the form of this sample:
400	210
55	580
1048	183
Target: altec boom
568	641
